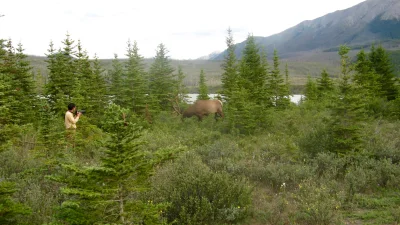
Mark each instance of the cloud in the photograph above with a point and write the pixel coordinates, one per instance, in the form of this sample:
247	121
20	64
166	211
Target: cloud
189	29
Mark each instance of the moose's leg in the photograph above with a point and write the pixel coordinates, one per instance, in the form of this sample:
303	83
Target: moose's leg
200	118
221	114
216	116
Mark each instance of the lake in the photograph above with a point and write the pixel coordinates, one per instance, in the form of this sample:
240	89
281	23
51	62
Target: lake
192	97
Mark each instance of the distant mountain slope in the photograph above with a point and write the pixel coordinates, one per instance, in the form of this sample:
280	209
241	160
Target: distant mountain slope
368	22
210	56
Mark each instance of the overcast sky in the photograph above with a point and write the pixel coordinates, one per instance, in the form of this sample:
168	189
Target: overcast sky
189	29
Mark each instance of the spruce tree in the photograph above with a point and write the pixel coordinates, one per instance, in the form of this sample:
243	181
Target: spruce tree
181	89
134	86
348	112
83	79
9	209
161	79
276	85
365	75
108	193
286	89
252	72
203	90
5	99
380	62
267	94
18	85
230	75
311	90
90	90
325	83
62	82
180	92
97	91
116	81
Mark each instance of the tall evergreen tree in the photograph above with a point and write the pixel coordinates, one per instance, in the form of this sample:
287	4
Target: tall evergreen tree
116	81
252	72
286	89
62	82
311	90
325	83
180	92
5	99
276	84
348	113
162	79
97	91
181	89
230	75
18	85
83	79
380	62
365	75
203	90
108	193
267	94
134	86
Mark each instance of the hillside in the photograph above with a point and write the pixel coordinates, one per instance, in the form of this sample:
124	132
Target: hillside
309	63
372	21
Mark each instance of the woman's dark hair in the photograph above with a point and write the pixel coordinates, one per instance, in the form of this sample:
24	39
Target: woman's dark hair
71	106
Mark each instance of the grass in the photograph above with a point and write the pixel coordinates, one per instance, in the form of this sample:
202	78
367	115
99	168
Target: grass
286	188
381	208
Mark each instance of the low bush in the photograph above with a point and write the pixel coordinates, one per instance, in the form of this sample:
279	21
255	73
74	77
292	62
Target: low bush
316	204
197	195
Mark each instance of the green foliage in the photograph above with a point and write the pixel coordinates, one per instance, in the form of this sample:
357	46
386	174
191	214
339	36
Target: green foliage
348	112
161	79
311	90
230	74
96	94
62	82
9	209
315	163
203	90
198	195
276	85
72	78
316	204
242	120
325	85
17	89
115	76
252	72
94	192
381	64
134	86
180	92
365	76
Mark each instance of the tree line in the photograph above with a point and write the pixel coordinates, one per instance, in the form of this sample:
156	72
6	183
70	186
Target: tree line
124	101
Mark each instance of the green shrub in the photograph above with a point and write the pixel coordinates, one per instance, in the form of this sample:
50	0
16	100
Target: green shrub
383	140
328	165
316	204
316	140
276	174
223	155
370	175
198	195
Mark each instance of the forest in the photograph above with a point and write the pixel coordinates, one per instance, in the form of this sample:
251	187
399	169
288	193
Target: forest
334	158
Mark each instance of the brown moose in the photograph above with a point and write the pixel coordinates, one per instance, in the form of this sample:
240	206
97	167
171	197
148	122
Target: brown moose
203	108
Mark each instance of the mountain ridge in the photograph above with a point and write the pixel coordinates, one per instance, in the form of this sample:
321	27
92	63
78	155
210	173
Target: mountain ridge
371	21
